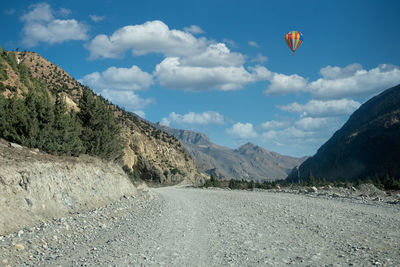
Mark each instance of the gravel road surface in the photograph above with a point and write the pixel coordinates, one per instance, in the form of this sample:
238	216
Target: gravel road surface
174	226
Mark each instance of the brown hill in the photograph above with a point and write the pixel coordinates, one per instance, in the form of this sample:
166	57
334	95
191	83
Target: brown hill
157	156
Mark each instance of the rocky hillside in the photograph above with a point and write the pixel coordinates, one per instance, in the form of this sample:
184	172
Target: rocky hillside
246	162
156	156
367	145
36	186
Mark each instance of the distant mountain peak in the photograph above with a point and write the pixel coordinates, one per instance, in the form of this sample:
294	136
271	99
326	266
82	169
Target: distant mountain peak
249	161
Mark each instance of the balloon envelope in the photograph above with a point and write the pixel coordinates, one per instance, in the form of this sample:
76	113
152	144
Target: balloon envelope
293	39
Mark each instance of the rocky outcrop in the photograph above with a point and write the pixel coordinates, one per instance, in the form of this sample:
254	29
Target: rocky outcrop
158	156
35	186
367	145
249	161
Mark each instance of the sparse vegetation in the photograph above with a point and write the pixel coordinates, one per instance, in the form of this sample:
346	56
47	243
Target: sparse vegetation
213	182
384	183
134	175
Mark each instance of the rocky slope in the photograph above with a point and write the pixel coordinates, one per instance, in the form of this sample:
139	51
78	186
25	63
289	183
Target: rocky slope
158	156
246	162
368	144
35	186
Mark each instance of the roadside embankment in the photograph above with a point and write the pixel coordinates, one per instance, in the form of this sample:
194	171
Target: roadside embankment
36	186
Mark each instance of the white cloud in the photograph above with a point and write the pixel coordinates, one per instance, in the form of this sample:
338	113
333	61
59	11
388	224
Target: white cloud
354	81
253	44
193	29
242	130
268	125
336	82
283	84
96	18
126	99
165	122
214	55
310	123
319	108
204	118
260	59
119	79
40	25
150	37
285	134
171	73
64	12
334	72
190	63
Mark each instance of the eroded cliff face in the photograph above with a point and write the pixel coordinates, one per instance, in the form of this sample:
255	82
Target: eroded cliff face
158	156
35	186
155	155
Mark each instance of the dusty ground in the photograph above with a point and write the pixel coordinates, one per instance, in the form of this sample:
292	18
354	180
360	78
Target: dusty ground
198	227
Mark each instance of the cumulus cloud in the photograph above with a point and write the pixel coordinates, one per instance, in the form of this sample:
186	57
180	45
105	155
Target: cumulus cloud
285	134
260	59
242	130
40	25
171	73
193	29
126	99
96	18
310	123
204	118
283	84
319	108
336	82
119	79
354	81
334	72
214	55
253	44
64	12
268	125
150	37
190	63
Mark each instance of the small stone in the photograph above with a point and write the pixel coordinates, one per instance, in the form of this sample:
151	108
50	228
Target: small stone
312	189
5	261
20	232
19	247
14	145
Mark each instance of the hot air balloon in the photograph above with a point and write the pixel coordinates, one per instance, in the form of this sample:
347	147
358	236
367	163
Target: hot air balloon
293	39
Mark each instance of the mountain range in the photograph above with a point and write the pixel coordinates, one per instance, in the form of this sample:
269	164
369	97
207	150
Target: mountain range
249	161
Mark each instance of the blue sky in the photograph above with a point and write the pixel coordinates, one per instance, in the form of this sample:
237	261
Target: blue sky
221	67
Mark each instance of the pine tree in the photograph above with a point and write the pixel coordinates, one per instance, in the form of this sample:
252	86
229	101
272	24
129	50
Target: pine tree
101	132
66	130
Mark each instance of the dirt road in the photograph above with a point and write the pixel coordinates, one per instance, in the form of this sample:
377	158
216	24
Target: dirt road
196	227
